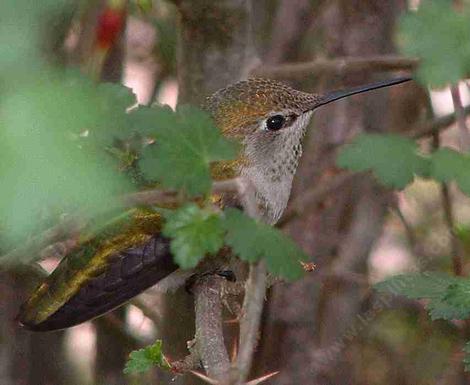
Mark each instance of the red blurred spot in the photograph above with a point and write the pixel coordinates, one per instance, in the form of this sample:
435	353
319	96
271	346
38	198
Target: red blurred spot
110	23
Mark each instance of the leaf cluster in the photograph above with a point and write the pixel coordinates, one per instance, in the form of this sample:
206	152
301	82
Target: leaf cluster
197	231
448	297
395	161
187	142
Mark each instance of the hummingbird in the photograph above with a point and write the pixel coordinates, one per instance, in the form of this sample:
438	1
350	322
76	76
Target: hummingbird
270	120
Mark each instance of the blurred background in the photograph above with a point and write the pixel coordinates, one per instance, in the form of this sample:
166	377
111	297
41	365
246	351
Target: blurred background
331	327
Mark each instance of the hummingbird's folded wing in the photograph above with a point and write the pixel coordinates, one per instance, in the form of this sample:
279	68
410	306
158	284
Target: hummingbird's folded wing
100	276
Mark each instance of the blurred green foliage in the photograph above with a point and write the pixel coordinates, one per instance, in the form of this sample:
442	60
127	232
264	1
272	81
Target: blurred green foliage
447	296
438	34
54	128
449	165
187	143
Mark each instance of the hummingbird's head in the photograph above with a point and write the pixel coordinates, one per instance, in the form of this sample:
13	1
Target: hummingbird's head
270	120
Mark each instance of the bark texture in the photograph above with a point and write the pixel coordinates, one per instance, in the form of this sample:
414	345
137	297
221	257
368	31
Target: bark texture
214	50
27	358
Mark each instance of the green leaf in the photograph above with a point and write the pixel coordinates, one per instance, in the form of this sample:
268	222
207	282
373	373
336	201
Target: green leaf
438	34
440	309
195	232
417	285
393	159
144	359
449	296
252	240
457	297
44	165
450	165
186	143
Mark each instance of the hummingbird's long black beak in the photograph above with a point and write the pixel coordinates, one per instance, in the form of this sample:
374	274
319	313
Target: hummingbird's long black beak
336	95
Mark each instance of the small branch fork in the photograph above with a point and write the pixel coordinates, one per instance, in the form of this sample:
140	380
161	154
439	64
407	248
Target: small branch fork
208	305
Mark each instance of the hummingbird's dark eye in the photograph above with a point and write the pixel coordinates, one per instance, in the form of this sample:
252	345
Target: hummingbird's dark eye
275	122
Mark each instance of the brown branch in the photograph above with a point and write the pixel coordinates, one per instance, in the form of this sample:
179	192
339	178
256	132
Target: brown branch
409	232
436	125
338	66
209	327
450	222
53	235
150	197
190	362
460	116
255	292
449	218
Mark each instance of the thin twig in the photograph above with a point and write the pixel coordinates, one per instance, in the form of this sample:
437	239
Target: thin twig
435	125
53	235
460	115
450	222
338	66
449	218
251	317
410	235
150	197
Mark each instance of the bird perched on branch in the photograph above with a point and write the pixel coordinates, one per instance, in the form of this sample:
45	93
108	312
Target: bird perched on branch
270	120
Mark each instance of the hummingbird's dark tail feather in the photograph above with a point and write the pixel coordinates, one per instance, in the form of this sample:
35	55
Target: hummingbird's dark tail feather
127	274
336	95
